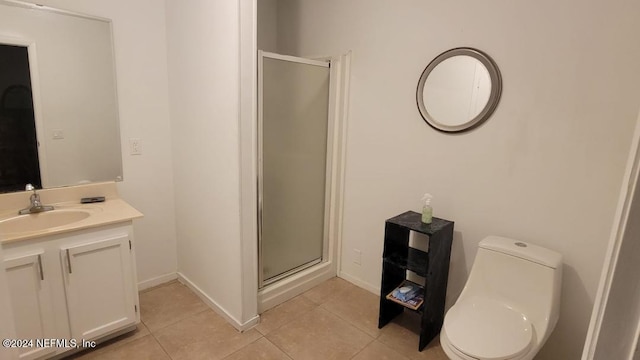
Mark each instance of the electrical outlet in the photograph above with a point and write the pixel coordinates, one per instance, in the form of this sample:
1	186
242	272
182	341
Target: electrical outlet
357	257
58	134
135	146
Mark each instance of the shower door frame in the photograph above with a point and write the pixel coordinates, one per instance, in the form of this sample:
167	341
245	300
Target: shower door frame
329	164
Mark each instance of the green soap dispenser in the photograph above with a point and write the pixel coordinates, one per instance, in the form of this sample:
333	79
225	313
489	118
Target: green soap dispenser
427	210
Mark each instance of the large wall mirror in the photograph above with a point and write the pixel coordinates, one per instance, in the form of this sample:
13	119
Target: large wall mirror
58	105
459	90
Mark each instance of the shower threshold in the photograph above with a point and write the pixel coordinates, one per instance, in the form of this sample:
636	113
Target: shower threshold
286	274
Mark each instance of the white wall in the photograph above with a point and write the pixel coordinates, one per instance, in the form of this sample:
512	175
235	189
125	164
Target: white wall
618	330
616	314
141	66
204	74
545	168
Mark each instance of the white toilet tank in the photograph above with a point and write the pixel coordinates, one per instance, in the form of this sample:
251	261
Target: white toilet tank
524	276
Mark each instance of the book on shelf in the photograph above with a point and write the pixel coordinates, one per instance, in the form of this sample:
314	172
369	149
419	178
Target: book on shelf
408	294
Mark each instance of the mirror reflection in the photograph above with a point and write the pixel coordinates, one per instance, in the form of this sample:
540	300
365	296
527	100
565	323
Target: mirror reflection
458	90
58	106
18	141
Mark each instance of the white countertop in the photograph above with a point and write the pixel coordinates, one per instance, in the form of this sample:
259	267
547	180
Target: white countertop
113	210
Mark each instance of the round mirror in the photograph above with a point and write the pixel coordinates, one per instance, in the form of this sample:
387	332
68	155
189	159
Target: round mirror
458	90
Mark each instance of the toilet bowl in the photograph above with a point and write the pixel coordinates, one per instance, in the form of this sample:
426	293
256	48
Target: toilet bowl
509	305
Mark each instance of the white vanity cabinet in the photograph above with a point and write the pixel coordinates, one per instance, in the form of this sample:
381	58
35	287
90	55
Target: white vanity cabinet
31	300
79	285
98	283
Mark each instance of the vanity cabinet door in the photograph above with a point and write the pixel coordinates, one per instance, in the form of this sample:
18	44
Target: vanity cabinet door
30	301
99	286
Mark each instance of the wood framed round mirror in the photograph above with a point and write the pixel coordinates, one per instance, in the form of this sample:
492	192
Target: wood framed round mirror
459	90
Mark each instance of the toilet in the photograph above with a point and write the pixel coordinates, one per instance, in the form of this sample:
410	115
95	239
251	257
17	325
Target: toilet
509	305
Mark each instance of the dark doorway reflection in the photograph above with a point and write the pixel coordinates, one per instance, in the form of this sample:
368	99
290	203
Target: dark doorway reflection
18	142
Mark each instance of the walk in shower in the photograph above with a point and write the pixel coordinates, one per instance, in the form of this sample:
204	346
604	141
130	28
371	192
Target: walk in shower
294	164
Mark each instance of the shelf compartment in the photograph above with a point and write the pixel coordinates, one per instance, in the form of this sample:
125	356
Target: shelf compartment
421	293
415	260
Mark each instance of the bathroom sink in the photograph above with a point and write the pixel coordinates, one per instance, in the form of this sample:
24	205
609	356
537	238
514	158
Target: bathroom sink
42	221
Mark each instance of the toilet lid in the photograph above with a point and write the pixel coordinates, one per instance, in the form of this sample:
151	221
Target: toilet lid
486	329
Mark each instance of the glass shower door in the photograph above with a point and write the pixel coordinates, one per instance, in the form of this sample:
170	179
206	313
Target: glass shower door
292	147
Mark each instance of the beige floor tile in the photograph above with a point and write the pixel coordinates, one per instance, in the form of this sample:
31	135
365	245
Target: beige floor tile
145	348
403	335
379	351
203	336
284	313
359	307
159	286
112	344
262	349
432	351
319	335
168	304
327	290
342	327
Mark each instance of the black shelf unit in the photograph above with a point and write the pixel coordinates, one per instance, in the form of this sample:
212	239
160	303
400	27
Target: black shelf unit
433	265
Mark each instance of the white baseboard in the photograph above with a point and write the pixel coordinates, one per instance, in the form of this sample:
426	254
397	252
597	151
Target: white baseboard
293	286
217	308
359	283
156	281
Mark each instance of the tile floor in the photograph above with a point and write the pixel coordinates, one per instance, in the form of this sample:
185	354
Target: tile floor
334	320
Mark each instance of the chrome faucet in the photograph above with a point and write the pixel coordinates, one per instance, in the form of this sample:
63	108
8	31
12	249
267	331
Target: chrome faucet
36	205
